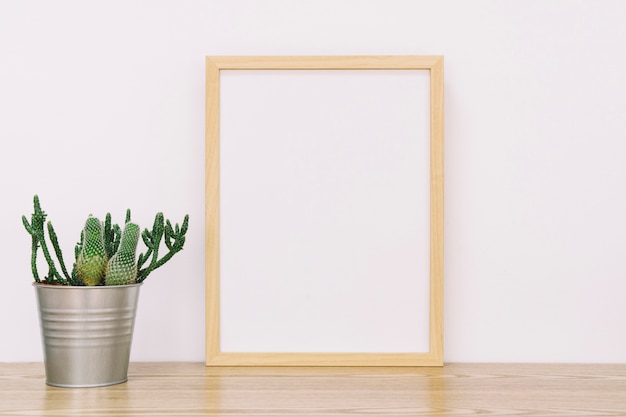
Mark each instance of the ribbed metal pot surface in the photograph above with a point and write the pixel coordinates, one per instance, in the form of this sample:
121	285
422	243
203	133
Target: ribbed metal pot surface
87	333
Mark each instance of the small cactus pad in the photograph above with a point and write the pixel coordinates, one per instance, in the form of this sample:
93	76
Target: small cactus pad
122	268
92	261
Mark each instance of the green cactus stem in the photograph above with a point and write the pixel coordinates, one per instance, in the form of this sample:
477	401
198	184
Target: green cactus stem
122	268
112	235
92	260
77	249
57	249
38	239
34	247
174	241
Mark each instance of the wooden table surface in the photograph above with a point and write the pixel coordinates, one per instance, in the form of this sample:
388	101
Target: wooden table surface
191	389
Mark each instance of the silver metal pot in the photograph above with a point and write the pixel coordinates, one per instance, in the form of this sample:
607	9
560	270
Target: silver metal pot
86	333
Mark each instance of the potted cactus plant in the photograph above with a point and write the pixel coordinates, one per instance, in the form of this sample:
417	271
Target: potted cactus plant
87	315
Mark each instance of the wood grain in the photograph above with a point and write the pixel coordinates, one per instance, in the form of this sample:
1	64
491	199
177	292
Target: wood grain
191	389
325	62
214	64
212	207
436	209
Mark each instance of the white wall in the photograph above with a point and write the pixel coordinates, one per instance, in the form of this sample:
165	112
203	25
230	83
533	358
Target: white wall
101	108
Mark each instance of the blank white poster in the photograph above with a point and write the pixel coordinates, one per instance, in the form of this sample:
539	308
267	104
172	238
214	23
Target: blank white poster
324	210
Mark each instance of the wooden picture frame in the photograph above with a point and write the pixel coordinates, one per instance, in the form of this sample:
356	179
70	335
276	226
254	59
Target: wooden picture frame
214	354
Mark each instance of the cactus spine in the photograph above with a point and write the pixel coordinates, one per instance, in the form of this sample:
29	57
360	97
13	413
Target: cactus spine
92	260
122	268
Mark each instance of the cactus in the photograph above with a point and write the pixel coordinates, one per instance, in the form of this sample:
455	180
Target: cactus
174	240
104	255
36	229
92	259
112	235
122	268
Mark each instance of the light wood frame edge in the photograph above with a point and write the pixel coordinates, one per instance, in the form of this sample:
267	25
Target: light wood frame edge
213	355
